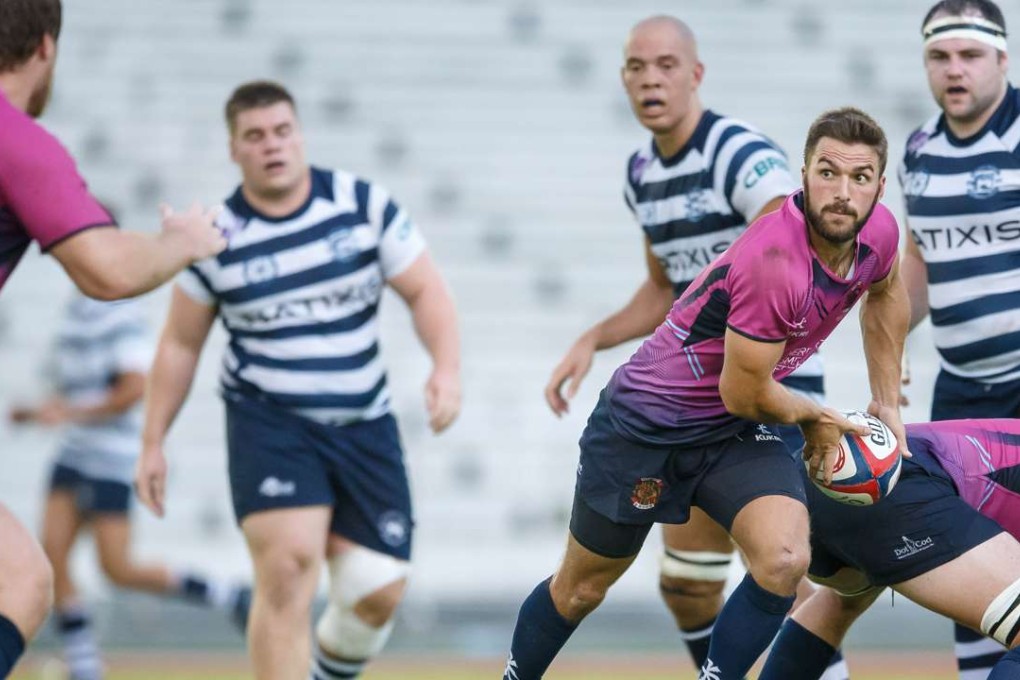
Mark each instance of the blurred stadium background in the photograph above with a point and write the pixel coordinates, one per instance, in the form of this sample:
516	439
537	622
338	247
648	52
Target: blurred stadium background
502	126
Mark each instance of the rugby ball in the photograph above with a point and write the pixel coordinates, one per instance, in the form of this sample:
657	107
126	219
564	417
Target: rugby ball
867	467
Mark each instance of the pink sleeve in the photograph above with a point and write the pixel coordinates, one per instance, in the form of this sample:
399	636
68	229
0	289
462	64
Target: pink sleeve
40	184
762	295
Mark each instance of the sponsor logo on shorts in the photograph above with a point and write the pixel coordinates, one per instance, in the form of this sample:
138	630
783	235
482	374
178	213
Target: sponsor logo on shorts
273	487
647	493
510	672
394	528
710	671
912	547
765	434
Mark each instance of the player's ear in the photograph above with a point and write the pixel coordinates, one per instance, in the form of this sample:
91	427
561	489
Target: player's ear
47	49
699	72
881	187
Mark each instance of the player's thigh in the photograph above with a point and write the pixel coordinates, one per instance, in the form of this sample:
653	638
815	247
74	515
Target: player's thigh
586	574
700	533
60	525
26	579
962	588
287	534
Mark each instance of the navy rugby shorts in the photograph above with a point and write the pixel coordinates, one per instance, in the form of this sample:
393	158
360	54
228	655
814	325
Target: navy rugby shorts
623	486
279	460
92	496
955	397
920	526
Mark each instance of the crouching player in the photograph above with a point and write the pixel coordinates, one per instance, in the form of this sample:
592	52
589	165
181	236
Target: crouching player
953	520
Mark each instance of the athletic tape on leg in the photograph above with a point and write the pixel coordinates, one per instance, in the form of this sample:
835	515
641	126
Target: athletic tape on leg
696	565
1001	620
354	575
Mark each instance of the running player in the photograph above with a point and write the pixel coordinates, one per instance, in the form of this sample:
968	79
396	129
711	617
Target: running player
42	198
99	361
693	188
681	423
316	467
933	540
962	266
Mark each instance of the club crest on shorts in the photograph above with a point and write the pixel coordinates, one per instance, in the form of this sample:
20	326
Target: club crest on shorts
646	493
394	528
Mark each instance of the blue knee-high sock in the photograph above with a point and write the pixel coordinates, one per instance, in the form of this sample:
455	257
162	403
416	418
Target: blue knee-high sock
975	653
1008	667
837	669
745	627
697	641
538	637
797	654
12	645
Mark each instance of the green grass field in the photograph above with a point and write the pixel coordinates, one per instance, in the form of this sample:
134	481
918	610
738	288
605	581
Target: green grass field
937	665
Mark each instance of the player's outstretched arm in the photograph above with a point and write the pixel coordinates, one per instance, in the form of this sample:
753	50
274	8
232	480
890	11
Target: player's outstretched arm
915	276
885	318
110	264
435	320
187	327
639	317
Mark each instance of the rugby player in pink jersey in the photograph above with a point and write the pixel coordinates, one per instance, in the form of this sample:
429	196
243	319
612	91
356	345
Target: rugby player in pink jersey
685	422
946	537
42	198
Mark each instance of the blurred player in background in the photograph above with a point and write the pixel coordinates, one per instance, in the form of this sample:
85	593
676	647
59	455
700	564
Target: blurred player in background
962	191
694	187
42	198
682	422
99	362
316	466
933	539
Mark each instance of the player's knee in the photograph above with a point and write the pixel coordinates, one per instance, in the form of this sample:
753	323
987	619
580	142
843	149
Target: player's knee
365	589
583	598
692	582
1001	619
284	573
782	567
117	569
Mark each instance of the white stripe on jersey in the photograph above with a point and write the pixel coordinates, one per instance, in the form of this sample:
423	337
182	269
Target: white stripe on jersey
300	301
284	381
965	219
96	342
654	213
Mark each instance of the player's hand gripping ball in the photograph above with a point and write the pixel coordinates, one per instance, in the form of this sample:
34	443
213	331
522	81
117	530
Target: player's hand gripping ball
866	468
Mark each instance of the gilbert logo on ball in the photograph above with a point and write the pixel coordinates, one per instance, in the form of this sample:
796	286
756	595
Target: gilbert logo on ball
867	467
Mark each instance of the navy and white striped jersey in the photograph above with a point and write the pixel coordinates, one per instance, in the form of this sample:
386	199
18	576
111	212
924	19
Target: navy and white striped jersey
299	296
963	208
693	205
96	342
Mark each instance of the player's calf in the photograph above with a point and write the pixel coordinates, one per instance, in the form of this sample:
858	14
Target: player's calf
691	584
365	589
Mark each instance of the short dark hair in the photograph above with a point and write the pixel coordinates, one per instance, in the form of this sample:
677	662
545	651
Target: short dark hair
23	24
850	126
254	95
985	8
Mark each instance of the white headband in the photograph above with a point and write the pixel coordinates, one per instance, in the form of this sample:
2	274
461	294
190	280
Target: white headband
970	27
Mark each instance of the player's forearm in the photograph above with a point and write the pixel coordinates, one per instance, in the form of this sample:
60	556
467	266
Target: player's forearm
126	393
118	264
915	279
169	383
435	321
638	318
768	402
885	319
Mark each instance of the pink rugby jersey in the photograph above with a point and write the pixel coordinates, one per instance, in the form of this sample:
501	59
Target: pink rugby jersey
769	286
42	196
983	459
